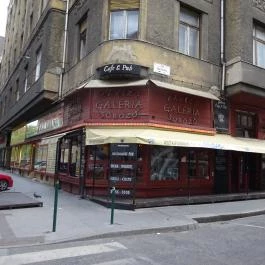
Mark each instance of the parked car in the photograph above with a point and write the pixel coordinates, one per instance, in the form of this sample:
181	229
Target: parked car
5	182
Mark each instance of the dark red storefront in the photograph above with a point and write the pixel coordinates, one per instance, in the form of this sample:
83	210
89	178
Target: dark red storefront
247	120
159	170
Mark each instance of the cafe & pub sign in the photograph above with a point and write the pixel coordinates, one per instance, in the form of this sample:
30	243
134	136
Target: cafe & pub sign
116	71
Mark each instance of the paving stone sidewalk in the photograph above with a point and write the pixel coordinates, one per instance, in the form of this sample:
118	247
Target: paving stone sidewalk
78	218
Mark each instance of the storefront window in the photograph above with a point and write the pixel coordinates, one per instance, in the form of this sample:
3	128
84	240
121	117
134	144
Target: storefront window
70	156
198	164
64	156
139	167
26	156
192	164
40	162
203	165
15	154
174	163
98	161
75	158
164	163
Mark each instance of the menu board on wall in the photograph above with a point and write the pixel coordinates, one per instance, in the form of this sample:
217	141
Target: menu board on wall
221	116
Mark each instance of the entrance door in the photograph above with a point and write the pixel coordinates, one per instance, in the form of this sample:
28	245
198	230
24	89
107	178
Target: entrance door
237	176
252	161
221	172
244	172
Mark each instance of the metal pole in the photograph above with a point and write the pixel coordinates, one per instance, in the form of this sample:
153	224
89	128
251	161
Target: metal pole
55	206
94	168
189	173
247	173
112	192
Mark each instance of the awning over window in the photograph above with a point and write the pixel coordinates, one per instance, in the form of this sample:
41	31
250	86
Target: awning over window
51	139
114	83
183	89
170	138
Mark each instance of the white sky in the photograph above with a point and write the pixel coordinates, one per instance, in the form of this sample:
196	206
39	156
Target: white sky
3	16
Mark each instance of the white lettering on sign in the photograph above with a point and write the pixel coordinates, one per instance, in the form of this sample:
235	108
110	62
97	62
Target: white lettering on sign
117	67
124	166
47	125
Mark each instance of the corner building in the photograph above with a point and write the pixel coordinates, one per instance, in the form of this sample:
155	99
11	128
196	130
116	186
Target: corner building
154	98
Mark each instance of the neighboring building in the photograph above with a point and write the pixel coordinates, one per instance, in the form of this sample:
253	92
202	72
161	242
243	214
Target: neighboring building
2	40
30	73
104	93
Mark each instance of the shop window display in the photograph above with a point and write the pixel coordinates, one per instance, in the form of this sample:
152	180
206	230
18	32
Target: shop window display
198	164
173	163
40	162
15	154
98	161
164	163
64	156
25	160
140	163
75	158
70	156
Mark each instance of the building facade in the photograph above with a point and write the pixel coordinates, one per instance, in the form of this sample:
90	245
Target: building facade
108	93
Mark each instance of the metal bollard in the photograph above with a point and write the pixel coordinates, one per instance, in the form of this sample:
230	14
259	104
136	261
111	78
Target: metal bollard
55	206
112	192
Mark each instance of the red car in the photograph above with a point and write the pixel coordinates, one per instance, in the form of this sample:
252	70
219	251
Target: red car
5	182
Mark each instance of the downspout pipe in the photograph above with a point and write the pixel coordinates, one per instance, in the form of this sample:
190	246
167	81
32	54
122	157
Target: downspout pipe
222	47
64	50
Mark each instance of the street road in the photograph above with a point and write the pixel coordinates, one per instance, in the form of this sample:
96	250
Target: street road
237	242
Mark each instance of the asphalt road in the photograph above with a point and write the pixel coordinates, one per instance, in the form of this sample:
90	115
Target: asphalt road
237	242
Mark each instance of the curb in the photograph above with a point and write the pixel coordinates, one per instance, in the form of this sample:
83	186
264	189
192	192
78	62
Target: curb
226	217
181	228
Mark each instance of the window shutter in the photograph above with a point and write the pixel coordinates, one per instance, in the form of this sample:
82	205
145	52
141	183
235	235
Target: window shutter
124	4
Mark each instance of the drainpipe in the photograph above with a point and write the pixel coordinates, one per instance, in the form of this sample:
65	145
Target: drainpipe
64	50
222	47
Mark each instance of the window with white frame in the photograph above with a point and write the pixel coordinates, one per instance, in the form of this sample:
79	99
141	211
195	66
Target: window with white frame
259	46
124	19
189	32
38	64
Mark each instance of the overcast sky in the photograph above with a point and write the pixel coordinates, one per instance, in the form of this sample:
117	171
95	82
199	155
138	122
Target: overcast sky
3	14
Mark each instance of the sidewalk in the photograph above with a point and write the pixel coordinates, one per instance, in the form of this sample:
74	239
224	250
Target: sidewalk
78	219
